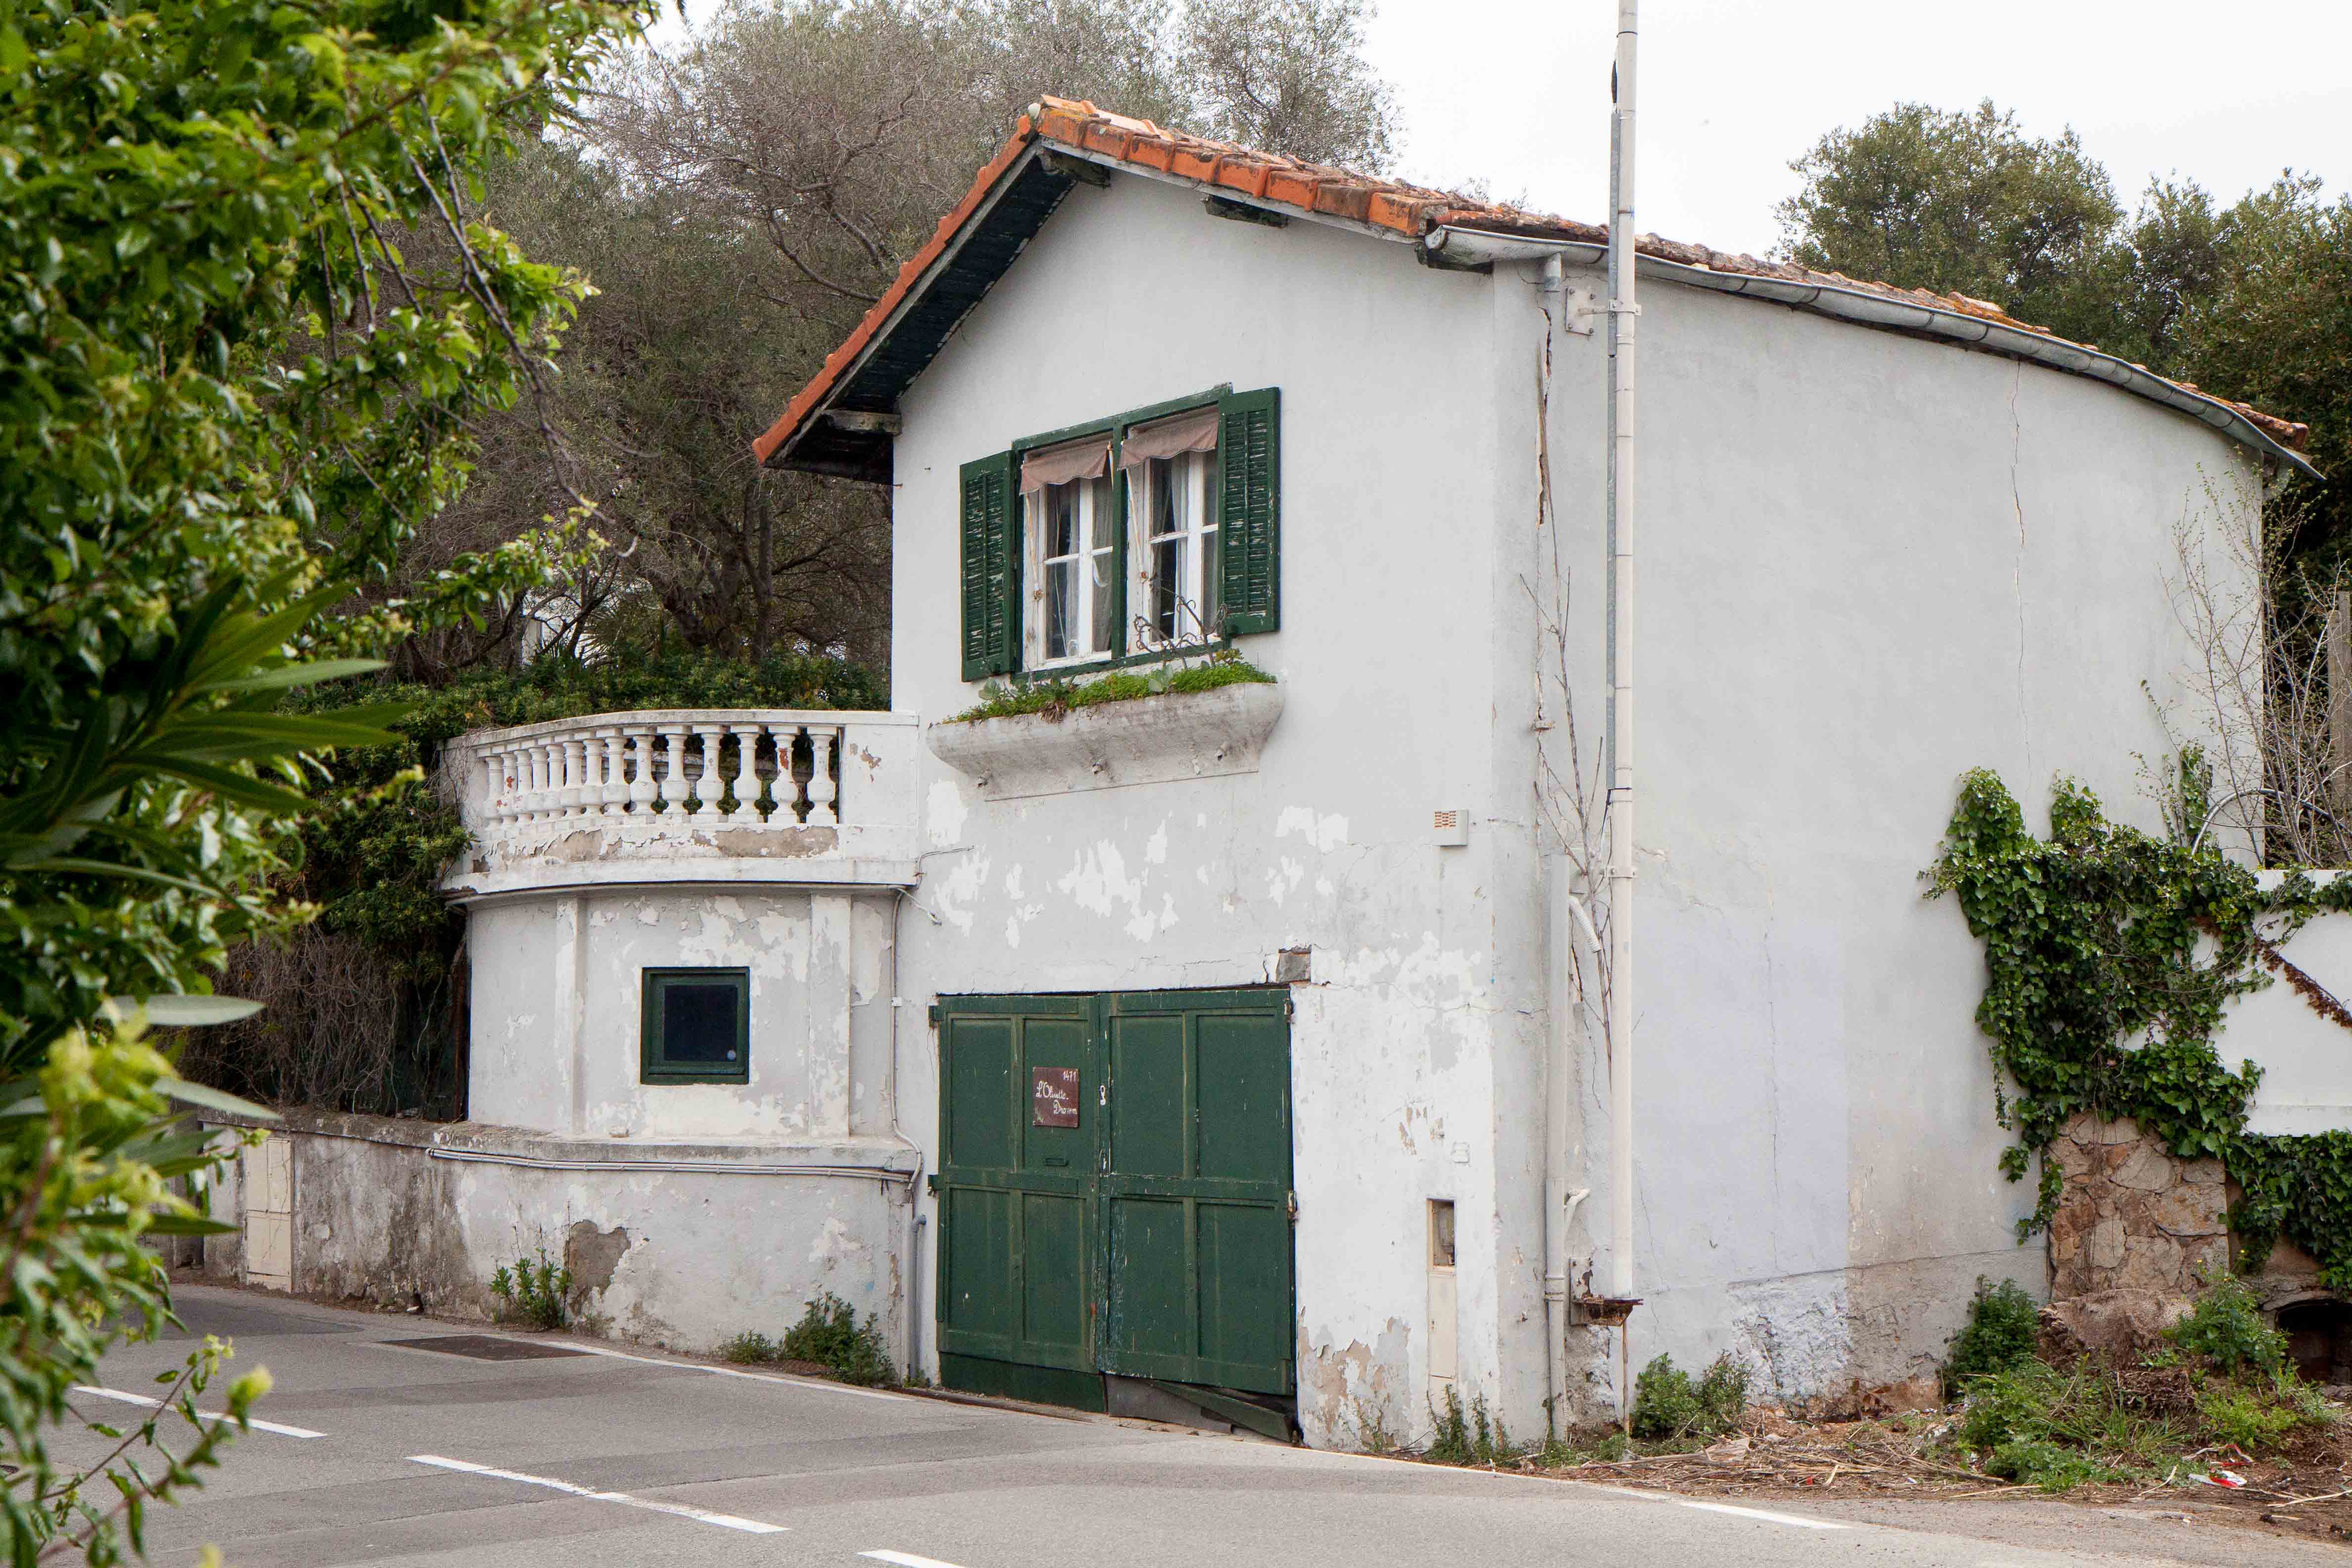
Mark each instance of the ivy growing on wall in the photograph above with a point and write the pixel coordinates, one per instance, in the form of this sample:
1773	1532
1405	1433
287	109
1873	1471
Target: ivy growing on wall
2111	956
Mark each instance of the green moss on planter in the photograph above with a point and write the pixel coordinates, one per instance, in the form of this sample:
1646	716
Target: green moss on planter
1054	699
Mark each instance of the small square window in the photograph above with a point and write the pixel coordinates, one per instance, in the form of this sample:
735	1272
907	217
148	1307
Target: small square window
697	1025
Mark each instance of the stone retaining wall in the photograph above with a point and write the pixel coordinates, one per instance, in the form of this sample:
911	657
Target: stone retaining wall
2134	1216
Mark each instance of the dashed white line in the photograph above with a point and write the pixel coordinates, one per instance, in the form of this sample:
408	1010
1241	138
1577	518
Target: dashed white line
906	1560
1770	1518
1799	1520
255	1422
700	1515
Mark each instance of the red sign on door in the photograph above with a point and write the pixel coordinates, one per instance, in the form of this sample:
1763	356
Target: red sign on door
1053	1097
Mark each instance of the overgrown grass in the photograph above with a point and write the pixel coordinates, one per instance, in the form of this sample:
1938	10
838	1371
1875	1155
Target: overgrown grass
2222	1379
1057	697
828	1335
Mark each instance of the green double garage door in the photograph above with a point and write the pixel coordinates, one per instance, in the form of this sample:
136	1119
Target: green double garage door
1115	1192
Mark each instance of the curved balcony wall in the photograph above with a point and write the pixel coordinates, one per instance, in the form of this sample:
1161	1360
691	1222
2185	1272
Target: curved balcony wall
737	795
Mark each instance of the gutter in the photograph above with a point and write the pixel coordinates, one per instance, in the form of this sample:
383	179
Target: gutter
1475	247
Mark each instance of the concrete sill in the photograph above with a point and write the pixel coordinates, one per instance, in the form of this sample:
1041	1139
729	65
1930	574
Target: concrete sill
1149	739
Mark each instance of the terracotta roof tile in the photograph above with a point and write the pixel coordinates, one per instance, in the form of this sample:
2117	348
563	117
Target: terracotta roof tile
1406	209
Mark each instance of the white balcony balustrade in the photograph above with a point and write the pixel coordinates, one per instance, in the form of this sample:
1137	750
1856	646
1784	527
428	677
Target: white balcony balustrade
546	803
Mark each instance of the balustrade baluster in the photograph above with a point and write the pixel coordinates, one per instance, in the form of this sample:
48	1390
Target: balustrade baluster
613	791
550	781
673	774
708	785
747	774
641	791
527	784
822	793
575	777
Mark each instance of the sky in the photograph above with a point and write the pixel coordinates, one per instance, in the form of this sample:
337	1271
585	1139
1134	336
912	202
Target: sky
1515	93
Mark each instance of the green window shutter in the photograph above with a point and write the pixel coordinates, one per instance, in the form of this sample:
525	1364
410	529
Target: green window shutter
1249	514
991	624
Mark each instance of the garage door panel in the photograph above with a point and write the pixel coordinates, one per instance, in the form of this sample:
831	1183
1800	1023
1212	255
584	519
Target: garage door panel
1244	1283
977	1283
1243	1097
1149	1070
1055	1271
1151	1309
979	1109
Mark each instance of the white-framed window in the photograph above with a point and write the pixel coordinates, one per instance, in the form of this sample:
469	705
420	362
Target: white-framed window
1175	573
1074	548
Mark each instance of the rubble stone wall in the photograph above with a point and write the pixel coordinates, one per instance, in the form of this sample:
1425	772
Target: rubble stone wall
2134	1215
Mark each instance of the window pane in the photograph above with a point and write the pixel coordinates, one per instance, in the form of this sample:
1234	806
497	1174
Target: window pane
699	1023
1163	495
1167	585
1060	607
1104	522
1062	520
1105	595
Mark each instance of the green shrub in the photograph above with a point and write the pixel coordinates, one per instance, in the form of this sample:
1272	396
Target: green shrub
533	1292
1668	1405
2228	1328
2003	1329
2033	1462
830	1335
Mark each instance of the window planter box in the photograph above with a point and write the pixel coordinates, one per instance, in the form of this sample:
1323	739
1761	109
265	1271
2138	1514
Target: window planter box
1146	740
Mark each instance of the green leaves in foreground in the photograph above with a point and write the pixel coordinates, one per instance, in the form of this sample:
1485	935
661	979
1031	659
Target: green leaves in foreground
90	1146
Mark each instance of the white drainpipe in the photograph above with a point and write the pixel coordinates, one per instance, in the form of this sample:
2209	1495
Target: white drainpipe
1622	315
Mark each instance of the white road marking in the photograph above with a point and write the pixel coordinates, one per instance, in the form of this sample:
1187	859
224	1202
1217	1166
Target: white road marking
255	1422
700	1515
906	1560
738	1372
1798	1519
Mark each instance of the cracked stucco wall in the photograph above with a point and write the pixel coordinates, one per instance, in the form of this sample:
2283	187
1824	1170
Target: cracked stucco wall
557	1013
1867	562
680	1259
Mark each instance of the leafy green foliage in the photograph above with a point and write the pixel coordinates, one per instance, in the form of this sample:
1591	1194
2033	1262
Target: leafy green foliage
2299	1187
534	1292
90	1144
1056	698
1965	203
1668	1405
2227	1330
2003	1327
1449	1440
2251	298
2109	956
2042	1427
224	402
830	1334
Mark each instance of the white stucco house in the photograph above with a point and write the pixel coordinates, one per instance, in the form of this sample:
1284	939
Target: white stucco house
1204	1045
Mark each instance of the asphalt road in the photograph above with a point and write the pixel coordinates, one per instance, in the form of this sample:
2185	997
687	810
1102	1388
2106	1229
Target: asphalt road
390	1453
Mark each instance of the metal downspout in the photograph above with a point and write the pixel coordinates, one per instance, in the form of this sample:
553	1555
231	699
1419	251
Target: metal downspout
1623	315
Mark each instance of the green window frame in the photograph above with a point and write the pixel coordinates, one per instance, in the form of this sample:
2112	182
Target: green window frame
667	1000
1245	486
